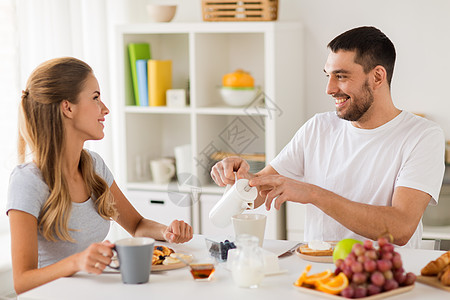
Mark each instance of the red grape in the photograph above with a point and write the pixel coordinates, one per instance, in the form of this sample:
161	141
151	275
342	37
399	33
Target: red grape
388	274
338	263
382	241
360	292
373	289
357	267
371	254
368	244
390	284
358	249
377	278
370	266
359	278
348	292
348	261
387	248
387	255
399	276
410	278
347	271
397	261
384	265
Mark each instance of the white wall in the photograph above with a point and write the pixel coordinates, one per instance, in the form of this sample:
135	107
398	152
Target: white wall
419	29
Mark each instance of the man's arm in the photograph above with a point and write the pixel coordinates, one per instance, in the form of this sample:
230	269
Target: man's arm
400	219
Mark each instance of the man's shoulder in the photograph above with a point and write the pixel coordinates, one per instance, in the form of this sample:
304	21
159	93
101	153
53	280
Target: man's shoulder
415	122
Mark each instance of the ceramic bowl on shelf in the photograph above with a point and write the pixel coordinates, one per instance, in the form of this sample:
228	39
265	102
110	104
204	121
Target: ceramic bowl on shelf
160	12
238	96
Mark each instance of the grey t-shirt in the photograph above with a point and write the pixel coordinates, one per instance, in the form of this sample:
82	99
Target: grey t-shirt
28	192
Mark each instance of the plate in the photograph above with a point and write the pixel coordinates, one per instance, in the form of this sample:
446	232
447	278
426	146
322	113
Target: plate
314	258
433	281
373	297
159	268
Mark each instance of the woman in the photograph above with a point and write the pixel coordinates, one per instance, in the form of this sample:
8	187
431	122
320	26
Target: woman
60	204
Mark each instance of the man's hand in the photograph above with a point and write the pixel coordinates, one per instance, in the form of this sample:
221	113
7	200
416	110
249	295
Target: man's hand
282	188
223	172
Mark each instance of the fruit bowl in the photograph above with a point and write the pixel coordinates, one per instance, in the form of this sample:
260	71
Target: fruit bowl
237	96
161	13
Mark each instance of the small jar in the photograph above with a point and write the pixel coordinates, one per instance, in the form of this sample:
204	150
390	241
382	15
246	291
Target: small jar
248	263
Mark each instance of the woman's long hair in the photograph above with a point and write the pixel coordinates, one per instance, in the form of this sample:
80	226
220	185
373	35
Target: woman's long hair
41	128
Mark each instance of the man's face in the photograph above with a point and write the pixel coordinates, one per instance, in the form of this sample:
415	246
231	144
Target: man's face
348	85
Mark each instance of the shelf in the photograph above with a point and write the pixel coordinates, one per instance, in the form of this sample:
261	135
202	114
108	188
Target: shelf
236	111
436	232
173	186
157	110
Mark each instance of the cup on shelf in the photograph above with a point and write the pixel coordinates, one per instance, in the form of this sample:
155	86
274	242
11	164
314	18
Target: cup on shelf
184	162
162	170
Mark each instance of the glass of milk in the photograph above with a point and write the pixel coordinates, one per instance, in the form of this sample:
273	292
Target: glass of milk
247	267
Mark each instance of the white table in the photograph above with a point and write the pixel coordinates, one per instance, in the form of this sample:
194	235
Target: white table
178	284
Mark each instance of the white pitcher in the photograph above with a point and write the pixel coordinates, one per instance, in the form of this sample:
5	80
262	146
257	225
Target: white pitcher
234	201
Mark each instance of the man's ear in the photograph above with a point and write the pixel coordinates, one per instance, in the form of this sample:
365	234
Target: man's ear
67	109
379	76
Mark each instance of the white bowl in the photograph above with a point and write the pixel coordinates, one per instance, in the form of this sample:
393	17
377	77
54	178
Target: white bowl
238	96
161	13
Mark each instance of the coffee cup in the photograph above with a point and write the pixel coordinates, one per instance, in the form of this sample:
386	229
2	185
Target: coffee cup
162	170
135	259
184	162
252	224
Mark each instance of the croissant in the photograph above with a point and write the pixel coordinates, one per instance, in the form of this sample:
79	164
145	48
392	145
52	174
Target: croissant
444	276
435	266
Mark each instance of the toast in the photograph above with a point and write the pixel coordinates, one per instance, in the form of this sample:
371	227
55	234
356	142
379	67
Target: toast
304	249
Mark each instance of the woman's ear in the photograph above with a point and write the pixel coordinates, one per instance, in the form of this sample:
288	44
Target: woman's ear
379	76
67	109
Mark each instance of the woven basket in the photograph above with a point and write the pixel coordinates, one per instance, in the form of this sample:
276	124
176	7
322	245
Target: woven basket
248	10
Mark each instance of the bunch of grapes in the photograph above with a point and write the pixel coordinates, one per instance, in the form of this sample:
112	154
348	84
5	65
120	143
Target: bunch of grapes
372	271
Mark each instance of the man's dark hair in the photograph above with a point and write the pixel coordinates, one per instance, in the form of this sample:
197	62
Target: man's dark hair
372	48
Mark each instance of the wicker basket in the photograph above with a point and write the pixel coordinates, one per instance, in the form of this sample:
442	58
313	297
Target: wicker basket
248	10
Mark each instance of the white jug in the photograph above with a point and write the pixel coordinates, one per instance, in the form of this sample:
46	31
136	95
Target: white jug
234	201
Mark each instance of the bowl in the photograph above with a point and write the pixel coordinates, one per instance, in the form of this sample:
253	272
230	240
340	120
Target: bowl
218	248
238	96
160	12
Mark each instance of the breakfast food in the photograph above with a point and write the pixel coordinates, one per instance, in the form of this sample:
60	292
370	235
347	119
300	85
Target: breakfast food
160	253
364	272
440	268
220	250
316	248
436	266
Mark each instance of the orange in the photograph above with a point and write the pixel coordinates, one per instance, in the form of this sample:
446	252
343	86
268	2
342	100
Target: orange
333	286
302	277
238	79
312	279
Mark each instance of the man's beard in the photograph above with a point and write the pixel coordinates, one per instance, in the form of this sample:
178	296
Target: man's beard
359	106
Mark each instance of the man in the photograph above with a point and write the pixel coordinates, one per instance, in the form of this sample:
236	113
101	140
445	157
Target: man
367	169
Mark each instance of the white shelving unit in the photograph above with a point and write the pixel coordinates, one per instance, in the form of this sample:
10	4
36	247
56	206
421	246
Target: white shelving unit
201	54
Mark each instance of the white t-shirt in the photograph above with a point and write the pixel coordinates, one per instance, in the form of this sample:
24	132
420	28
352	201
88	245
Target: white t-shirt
363	165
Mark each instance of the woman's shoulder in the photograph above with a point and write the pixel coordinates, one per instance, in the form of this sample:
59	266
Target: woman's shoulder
26	179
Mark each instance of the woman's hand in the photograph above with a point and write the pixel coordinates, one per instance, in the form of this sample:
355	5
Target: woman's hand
178	232
223	172
95	258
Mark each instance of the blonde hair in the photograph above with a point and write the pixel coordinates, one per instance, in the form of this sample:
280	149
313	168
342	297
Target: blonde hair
41	129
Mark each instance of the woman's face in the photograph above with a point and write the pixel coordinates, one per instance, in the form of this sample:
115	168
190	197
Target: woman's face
89	112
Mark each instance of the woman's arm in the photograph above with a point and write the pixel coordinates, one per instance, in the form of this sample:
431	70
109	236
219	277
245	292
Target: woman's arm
24	252
136	225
